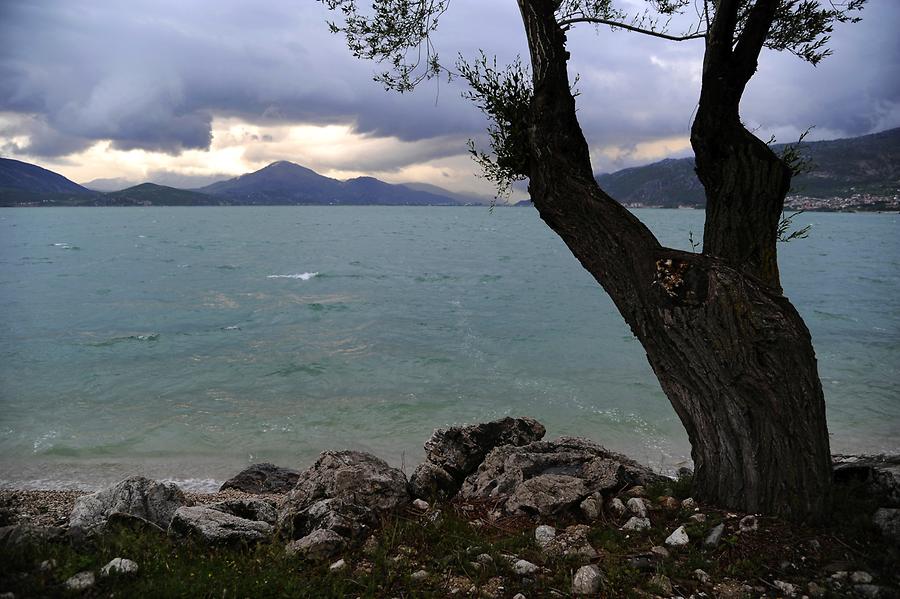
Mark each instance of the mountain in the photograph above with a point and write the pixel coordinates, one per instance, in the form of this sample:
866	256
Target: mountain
463	198
151	194
866	168
36	185
107	185
286	183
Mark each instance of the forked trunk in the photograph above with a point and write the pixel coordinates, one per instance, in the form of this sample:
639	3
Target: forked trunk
732	354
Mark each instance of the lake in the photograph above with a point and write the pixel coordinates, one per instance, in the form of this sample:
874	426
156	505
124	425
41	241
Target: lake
186	343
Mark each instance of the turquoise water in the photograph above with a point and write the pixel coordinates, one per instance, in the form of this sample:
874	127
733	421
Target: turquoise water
184	343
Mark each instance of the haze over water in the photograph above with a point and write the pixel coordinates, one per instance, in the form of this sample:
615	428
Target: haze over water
185	343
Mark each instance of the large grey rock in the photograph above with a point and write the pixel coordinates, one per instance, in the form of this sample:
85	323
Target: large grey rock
263	478
137	496
453	453
18	535
547	477
343	491
547	494
135	524
878	475
249	509
216	527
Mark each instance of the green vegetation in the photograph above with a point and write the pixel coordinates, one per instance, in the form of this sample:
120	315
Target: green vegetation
451	547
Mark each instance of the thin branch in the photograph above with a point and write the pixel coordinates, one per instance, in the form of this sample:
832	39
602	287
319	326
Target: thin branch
675	38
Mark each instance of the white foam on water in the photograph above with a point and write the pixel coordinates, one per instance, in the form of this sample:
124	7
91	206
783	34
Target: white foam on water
196	485
303	276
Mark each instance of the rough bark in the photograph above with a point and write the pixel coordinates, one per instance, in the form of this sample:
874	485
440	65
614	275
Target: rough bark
745	182
732	354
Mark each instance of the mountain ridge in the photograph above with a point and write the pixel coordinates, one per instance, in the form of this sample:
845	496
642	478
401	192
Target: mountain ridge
857	173
868	165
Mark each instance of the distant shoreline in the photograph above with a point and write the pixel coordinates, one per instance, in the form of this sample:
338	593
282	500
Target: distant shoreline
859	210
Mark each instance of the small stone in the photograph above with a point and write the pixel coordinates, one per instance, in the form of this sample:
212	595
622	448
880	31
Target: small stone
572	542
815	591
689	504
544	534
80	581
617	507
669	503
701	576
643	563
678	538
748	524
714	536
590	508
661	583
698	518
637	491
47	565
587	580
637	507
119	565
839	575
860	577
338	566
519	596
660	551
418	575
421	505
484	560
785	587
524	568
636	524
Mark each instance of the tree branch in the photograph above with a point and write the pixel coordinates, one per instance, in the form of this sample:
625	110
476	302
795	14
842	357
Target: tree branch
753	37
566	23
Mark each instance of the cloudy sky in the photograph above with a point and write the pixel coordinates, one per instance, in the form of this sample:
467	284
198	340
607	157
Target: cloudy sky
181	92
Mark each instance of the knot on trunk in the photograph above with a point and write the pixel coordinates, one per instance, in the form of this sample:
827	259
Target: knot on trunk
680	282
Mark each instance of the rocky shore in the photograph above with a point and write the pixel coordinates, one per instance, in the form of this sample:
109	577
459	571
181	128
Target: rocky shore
494	511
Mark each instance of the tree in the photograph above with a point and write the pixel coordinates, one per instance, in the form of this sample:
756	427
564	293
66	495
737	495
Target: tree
730	351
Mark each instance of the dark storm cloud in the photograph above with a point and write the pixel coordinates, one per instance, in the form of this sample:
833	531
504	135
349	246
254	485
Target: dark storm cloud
152	74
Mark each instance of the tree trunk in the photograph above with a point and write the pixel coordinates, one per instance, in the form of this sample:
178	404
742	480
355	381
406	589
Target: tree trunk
732	354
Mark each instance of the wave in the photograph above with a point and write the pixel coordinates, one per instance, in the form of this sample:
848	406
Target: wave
303	276
114	340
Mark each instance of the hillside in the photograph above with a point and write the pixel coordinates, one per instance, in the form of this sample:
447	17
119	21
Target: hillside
842	168
24	183
151	194
286	183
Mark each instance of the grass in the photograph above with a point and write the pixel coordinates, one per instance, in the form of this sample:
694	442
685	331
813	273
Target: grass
447	548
